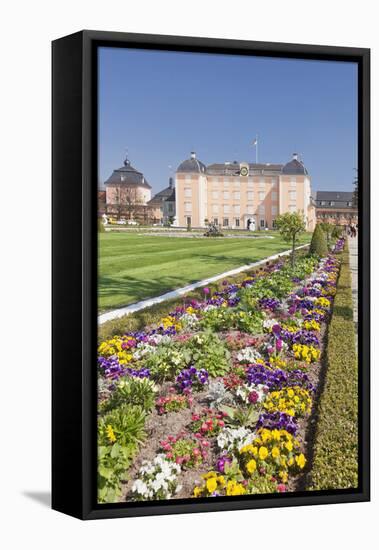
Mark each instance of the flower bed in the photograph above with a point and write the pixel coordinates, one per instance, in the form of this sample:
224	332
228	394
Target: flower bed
213	399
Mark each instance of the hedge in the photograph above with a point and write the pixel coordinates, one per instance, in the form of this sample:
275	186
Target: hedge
335	462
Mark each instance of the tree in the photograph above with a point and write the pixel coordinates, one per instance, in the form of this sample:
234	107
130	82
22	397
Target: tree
290	225
318	243
327	229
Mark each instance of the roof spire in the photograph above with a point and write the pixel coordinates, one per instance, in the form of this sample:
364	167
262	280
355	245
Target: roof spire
126	161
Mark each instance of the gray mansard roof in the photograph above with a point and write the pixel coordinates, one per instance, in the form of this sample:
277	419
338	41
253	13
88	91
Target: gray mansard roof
128	175
339	199
294	167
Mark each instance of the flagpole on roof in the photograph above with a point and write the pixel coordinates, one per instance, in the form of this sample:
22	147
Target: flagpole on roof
255	144
256	149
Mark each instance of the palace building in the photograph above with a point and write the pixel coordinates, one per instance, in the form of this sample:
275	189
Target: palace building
336	207
127	193
241	194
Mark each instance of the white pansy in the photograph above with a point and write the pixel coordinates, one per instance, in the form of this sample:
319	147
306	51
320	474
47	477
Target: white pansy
248	355
230	438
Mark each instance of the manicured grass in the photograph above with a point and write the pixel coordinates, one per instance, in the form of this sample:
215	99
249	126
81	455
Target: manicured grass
335	464
133	267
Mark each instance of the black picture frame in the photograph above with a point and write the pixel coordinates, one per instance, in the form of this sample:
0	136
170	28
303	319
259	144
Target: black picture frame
74	271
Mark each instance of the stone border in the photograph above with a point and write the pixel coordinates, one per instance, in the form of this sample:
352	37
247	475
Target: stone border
132	308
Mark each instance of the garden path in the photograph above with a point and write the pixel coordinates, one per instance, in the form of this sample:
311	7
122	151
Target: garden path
353	248
120	312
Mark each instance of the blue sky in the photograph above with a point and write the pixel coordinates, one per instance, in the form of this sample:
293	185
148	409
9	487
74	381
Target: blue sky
162	105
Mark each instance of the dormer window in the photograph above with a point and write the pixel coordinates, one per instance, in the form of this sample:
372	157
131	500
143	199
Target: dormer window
331	203
122	178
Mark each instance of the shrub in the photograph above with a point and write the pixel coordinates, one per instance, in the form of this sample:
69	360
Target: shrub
166	362
132	391
124	425
207	352
336	232
318	244
335	464
113	462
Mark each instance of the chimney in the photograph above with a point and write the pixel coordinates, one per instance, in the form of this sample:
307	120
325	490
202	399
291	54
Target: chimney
193	155
171	183
294	156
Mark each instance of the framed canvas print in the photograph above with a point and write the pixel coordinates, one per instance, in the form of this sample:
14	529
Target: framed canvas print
210	274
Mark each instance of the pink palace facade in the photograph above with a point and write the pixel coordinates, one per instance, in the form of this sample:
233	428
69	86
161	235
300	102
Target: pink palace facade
240	194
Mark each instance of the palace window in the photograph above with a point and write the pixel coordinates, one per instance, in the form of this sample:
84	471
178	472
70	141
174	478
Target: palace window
226	195
292	195
187	192
237	222
215	208
261	195
215	221
274	196
262	223
237	195
250	196
226	208
225	222
214	194
236	208
188	206
274	210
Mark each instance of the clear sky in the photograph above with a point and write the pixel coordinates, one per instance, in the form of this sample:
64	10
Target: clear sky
161	105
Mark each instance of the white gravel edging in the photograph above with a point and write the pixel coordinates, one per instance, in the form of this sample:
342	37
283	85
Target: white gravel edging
120	312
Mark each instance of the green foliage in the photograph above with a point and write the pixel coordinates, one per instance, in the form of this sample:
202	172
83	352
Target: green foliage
241	416
127	423
167	361
327	229
277	285
242	318
318	244
113	462
335	464
119	434
132	391
260	484
100	226
336	232
207	351
290	226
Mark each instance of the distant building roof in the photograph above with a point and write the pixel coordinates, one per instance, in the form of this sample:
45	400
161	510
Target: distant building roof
339	199
294	167
172	196
163	195
233	168
192	165
128	175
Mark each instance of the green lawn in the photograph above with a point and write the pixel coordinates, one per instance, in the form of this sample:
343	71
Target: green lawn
133	267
